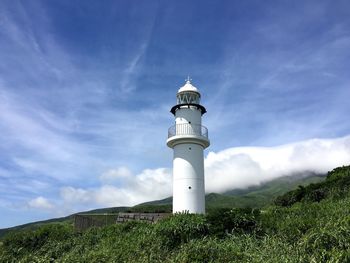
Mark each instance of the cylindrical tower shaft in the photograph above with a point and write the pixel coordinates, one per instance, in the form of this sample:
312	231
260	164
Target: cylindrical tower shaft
188	178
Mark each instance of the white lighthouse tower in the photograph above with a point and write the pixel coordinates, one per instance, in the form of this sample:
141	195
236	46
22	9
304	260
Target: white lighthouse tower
188	138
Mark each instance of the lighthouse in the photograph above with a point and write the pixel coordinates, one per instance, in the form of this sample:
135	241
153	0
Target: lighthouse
188	139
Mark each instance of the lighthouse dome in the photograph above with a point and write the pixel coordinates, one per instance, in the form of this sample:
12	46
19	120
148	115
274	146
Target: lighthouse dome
188	87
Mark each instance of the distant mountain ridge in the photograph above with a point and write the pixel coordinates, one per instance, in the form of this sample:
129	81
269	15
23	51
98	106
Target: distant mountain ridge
255	196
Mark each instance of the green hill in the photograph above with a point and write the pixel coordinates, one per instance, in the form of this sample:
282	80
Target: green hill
336	185
257	196
308	224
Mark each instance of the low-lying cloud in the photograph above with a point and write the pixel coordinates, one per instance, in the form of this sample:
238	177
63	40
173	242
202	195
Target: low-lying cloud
246	166
232	168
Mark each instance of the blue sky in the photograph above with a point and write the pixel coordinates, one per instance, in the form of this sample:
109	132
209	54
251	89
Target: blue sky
86	88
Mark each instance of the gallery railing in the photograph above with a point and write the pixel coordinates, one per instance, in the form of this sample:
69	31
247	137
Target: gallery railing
188	129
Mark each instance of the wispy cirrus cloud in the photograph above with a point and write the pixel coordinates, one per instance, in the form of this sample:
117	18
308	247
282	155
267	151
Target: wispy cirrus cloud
282	86
51	133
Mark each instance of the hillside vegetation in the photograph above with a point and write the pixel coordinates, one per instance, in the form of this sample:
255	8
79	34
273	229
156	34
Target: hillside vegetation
309	224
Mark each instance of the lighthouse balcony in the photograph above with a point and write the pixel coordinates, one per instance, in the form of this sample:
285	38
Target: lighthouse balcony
188	129
188	133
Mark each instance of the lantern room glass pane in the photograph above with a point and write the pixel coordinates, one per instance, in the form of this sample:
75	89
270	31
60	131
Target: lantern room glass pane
188	98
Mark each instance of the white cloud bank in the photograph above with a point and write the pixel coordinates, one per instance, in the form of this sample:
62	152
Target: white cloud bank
225	170
246	166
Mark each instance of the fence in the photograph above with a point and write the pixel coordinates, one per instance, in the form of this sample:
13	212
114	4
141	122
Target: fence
145	217
85	221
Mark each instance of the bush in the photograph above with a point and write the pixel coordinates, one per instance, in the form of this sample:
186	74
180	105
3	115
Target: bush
209	250
291	197
336	186
181	228
225	221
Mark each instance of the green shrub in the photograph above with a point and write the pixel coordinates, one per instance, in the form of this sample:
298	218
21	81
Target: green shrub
225	221
180	228
291	197
209	250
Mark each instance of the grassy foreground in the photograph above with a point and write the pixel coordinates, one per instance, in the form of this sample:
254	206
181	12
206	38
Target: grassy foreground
309	224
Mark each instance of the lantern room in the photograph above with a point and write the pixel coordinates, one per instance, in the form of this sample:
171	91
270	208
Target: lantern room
188	94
